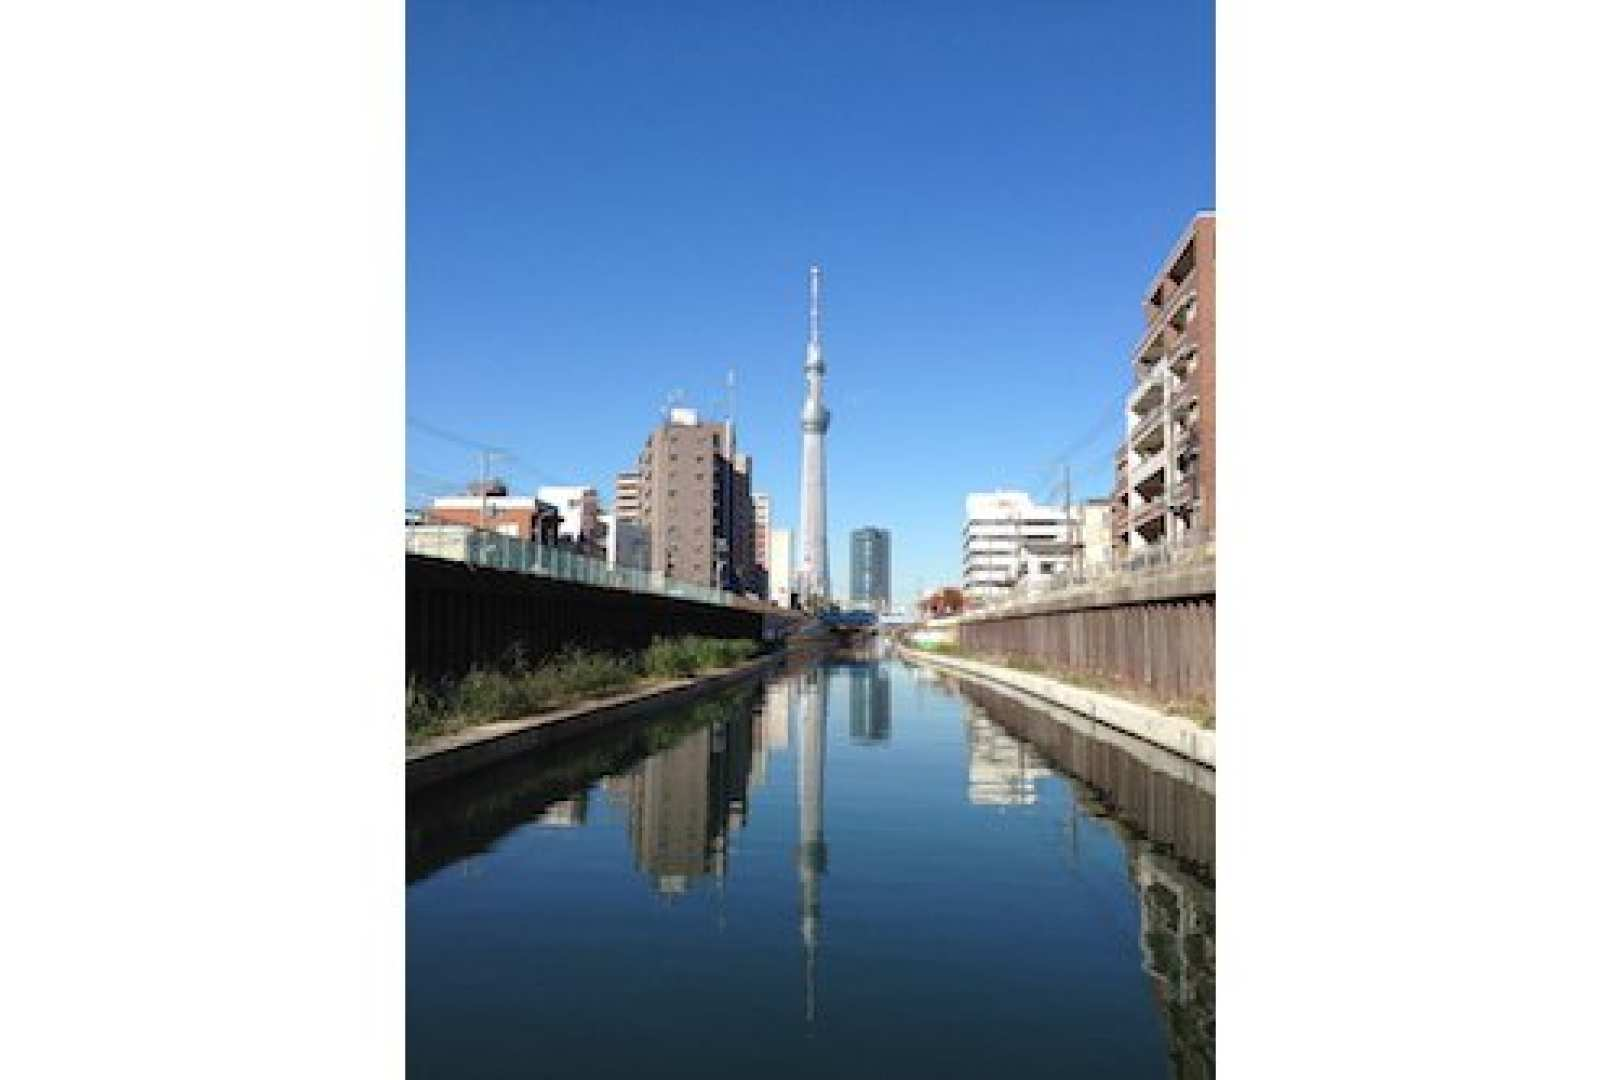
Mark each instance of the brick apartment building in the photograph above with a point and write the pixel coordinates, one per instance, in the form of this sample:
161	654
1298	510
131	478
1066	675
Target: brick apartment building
693	496
1165	471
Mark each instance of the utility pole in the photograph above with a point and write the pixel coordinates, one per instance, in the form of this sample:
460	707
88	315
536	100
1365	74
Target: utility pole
484	489
1069	532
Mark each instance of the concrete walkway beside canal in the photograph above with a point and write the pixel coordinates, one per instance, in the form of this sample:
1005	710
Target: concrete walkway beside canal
462	752
1170	732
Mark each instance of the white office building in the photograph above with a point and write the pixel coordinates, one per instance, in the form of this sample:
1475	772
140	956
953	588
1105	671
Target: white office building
781	569
1009	538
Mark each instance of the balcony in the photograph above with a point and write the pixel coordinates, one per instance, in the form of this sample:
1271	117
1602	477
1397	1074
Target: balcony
1150	389
1183	396
1149	431
1172	308
1182	355
1183	303
1146	468
1147	512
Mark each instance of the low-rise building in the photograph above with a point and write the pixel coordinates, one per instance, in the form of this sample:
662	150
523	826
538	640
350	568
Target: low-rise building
1008	537
490	507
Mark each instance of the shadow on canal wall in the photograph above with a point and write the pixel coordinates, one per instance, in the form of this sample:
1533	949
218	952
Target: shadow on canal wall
466	817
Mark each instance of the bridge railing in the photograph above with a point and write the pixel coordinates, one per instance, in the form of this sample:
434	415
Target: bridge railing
479	547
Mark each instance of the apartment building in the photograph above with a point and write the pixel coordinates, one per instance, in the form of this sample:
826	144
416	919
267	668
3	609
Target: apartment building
582	526
1008	536
762	545
693	497
628	495
1165	471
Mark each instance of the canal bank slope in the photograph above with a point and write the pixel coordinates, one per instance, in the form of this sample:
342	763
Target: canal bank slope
473	748
1162	729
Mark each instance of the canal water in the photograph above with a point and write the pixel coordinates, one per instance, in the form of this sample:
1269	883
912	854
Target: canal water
857	867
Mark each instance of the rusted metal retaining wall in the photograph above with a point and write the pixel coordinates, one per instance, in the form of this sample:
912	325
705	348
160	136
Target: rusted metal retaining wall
1159	637
458	616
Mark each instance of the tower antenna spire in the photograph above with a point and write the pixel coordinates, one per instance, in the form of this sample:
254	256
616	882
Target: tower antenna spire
816	304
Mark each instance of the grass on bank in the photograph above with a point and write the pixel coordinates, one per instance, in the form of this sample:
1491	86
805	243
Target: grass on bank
520	688
1198	711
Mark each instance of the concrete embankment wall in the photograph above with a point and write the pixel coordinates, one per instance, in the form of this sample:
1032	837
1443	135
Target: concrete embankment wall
1158	637
458	616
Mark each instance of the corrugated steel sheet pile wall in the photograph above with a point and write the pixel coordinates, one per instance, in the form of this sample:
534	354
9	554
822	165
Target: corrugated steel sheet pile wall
458	616
1164	648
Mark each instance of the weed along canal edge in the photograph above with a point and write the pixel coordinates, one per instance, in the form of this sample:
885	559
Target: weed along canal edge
457	754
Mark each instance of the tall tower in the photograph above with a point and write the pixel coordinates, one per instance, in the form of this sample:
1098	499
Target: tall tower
813	421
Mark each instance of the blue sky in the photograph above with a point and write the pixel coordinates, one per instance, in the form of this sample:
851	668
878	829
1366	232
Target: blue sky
611	202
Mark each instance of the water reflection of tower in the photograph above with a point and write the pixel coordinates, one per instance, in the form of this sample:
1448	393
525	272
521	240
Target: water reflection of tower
869	704
812	847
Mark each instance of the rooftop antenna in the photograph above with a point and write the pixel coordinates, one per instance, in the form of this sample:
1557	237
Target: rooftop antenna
672	401
731	394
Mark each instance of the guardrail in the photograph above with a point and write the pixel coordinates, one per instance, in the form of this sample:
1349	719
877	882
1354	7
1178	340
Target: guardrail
495	551
1195	551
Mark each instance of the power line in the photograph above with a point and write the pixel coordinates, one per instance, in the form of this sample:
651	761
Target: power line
523	467
1110	415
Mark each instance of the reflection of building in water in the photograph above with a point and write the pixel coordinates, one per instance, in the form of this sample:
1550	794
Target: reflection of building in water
1179	955
1002	770
669	812
812	846
682	801
1162	810
869	704
565	813
771	724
